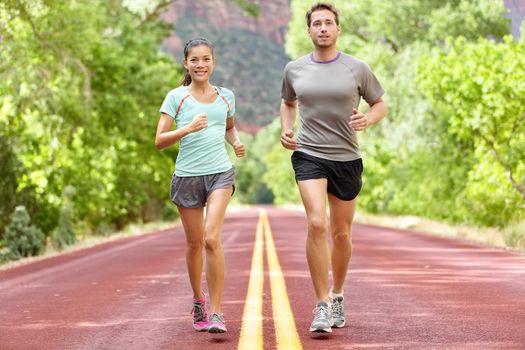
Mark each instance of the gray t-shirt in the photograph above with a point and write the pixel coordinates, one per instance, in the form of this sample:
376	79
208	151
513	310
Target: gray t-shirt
326	93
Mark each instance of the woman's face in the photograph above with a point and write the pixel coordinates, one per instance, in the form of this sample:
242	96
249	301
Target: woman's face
200	63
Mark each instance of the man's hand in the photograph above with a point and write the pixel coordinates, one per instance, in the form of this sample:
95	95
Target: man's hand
238	148
358	120
287	140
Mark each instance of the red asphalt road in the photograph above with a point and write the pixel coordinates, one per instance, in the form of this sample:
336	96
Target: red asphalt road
404	291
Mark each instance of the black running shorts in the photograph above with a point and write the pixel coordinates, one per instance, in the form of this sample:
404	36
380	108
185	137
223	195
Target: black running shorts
344	178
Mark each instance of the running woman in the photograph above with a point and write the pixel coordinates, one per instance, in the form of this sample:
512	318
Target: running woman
204	175
327	86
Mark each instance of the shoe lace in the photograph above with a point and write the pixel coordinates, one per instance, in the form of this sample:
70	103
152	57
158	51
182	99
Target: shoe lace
337	307
320	312
198	312
215	318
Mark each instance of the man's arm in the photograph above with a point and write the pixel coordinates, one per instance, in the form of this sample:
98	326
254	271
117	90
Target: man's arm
359	121
288	112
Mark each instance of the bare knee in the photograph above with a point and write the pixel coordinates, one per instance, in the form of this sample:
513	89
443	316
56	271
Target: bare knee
194	247
316	224
342	237
212	244
317	228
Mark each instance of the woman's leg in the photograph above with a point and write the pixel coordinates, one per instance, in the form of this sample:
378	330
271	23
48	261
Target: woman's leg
215	211
192	220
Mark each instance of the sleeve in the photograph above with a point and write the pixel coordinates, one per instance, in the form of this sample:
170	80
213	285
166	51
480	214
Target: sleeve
169	105
287	90
370	88
231	99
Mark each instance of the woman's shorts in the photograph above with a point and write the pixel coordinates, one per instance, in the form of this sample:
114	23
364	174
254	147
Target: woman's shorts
344	178
193	191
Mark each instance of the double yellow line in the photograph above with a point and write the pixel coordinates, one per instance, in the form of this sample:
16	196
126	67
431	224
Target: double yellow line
286	335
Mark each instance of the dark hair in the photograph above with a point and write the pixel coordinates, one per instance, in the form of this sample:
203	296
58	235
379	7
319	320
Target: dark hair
189	44
321	6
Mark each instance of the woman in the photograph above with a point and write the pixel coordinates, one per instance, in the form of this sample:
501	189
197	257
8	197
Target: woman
204	175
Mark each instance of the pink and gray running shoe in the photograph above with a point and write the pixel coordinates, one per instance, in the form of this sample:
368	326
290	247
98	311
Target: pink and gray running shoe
216	323
199	314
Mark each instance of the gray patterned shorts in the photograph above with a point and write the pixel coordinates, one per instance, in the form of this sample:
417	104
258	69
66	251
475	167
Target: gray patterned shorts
193	191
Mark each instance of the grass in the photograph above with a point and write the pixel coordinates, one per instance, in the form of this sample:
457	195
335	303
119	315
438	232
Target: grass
512	237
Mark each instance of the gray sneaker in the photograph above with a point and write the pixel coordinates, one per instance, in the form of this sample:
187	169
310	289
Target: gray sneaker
338	312
322	322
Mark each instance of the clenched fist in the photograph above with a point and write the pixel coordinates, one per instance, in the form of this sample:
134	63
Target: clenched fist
238	148
199	122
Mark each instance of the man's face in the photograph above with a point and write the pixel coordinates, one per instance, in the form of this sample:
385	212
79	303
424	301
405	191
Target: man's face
323	30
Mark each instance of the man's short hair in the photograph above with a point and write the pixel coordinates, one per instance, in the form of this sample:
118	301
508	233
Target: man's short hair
321	6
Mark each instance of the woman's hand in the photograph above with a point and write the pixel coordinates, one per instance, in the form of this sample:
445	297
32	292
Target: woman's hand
238	148
198	123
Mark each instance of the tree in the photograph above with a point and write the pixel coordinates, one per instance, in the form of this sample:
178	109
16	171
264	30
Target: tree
413	163
79	98
481	90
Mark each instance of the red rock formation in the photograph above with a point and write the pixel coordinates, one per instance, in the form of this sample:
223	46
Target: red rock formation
271	24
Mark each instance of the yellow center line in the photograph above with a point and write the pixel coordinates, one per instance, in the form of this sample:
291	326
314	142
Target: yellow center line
286	335
251	330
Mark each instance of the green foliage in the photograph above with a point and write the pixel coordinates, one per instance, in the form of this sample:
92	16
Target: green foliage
79	99
425	158
8	183
279	175
252	170
247	63
249	8
394	25
22	239
482	89
64	233
515	236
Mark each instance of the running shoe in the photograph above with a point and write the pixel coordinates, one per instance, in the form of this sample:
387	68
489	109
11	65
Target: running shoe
338	312
322	322
216	323
199	314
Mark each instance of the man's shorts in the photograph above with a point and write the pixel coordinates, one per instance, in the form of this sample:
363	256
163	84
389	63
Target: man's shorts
193	191
344	178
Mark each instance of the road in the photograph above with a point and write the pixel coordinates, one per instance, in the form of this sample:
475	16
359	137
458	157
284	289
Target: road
405	290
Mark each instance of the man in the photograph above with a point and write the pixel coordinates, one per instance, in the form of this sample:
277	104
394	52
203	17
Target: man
327	86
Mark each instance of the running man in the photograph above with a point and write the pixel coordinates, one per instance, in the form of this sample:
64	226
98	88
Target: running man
327	86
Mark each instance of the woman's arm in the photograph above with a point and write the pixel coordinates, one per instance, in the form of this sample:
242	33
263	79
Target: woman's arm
232	137
166	137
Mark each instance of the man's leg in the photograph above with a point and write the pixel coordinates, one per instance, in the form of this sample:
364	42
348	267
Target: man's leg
341	218
313	194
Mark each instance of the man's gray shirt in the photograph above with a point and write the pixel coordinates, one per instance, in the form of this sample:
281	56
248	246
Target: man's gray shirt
327	92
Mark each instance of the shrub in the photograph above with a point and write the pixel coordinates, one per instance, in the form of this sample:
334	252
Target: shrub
20	238
64	234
